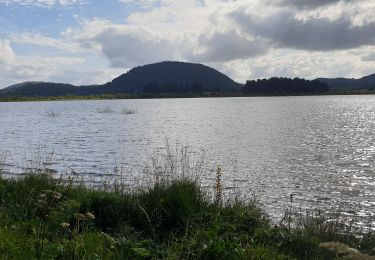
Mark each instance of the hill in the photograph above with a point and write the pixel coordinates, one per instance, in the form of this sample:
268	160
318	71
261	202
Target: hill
163	77
49	89
366	82
176	74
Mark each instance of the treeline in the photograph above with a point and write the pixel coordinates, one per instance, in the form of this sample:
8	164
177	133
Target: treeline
47	90
154	88
14	98
284	86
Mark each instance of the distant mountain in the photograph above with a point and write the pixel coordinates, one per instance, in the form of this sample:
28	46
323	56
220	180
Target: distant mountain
33	88
161	77
344	83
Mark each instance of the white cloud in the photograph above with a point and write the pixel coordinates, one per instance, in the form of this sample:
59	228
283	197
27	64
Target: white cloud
6	52
369	57
17	68
298	63
55	69
227	46
284	29
141	3
227	34
37	67
190	30
45	41
123	45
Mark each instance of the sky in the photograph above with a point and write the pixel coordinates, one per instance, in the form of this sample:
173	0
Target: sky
94	41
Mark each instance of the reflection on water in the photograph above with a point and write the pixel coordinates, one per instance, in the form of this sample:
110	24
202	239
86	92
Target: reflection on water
321	149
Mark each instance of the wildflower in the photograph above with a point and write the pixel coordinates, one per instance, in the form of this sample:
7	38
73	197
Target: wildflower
64	225
89	215
57	195
80	216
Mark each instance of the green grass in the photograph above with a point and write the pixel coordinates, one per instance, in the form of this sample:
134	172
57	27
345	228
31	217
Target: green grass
43	218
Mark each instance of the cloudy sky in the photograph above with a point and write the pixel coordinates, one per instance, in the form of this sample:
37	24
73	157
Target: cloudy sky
93	41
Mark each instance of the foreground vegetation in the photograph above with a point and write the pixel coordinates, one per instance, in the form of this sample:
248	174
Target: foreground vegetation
45	218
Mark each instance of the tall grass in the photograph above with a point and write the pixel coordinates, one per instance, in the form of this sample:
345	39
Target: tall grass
176	163
2	163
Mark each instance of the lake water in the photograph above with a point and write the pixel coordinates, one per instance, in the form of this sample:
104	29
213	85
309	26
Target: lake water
320	149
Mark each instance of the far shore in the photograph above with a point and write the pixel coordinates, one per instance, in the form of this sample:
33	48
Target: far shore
173	95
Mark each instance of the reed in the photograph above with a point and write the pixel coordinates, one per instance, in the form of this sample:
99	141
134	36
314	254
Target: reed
129	111
105	110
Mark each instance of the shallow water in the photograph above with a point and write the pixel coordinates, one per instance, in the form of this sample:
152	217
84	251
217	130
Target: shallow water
320	149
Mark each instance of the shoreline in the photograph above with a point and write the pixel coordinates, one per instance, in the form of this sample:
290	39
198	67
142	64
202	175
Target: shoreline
173	96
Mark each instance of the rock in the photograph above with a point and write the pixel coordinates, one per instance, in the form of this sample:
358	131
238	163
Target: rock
345	251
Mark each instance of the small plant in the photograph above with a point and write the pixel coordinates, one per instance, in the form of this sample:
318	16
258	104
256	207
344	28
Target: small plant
46	203
106	110
53	114
288	216
218	187
129	111
83	221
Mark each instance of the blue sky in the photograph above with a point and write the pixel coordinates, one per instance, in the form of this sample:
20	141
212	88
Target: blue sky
51	20
93	41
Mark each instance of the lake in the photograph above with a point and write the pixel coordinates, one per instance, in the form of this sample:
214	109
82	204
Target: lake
321	149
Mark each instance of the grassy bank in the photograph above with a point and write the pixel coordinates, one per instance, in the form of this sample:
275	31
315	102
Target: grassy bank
45	218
